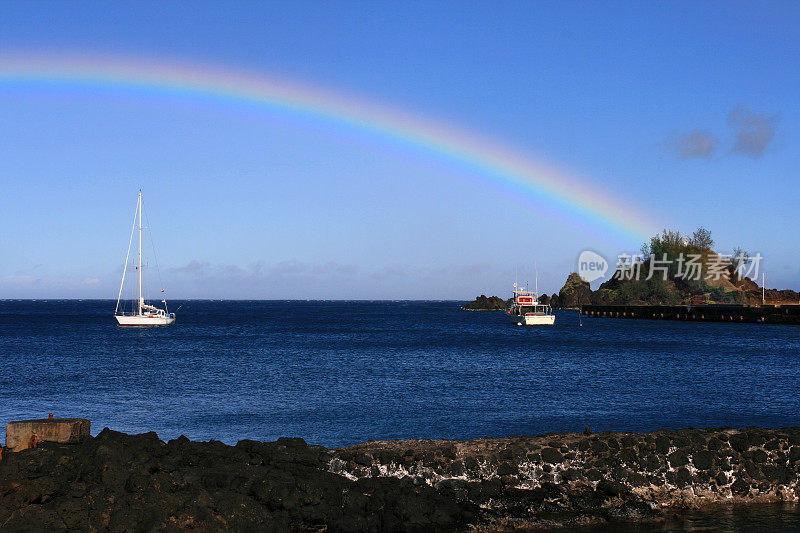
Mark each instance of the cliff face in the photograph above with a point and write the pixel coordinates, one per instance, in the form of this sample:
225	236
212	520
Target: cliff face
575	292
119	482
778	297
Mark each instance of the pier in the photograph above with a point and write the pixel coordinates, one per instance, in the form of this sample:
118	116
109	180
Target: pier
765	314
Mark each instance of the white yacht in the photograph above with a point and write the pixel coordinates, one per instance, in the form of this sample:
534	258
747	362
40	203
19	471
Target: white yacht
141	312
525	309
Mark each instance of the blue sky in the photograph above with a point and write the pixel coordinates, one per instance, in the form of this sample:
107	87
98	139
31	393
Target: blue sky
687	112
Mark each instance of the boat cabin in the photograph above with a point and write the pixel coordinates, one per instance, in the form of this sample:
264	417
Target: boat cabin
526	303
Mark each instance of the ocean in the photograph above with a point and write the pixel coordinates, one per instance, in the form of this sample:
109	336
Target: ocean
338	373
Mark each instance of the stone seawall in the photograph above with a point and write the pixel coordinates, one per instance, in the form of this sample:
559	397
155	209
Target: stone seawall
116	481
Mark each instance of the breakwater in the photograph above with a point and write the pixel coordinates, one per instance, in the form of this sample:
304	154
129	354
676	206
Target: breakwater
117	481
767	314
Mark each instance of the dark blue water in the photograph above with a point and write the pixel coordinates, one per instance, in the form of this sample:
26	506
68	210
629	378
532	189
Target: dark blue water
755	518
339	373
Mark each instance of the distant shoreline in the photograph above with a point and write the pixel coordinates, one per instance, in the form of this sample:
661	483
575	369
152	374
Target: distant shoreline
223	300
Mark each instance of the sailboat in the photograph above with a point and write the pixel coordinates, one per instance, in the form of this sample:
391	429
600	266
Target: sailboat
143	313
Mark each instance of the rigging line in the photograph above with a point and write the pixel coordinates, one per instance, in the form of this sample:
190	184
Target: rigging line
153	244
125	267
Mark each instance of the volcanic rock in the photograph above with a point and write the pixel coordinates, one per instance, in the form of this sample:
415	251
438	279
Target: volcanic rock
482	303
120	482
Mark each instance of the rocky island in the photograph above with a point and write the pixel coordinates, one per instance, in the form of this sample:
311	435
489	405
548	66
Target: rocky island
675	269
482	303
124	482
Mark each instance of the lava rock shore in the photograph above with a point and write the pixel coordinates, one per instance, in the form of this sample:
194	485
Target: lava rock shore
137	482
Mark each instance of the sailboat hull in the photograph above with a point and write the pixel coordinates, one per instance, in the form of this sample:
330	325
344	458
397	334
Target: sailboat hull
144	320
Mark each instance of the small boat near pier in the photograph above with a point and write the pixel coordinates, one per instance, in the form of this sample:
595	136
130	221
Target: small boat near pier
526	310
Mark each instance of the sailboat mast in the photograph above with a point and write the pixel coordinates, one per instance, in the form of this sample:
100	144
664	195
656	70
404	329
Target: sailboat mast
140	250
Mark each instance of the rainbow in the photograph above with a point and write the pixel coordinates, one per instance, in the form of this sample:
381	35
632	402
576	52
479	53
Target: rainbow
532	180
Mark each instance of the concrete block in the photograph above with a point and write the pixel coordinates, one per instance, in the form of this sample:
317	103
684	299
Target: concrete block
63	430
